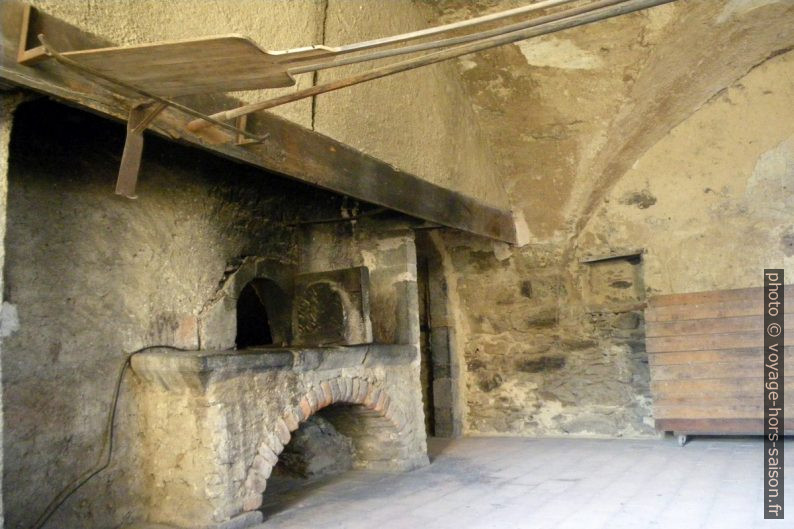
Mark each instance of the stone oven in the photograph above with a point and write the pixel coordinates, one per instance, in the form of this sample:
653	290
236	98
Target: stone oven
274	317
241	405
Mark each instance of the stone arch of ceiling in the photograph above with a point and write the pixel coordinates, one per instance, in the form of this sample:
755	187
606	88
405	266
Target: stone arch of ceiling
567	115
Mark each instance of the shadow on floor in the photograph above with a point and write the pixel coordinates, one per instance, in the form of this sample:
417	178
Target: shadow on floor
286	492
436	446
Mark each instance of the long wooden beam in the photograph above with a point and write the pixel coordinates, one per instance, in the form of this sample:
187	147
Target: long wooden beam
290	149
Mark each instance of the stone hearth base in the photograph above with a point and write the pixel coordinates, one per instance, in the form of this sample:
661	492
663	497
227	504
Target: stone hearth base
215	422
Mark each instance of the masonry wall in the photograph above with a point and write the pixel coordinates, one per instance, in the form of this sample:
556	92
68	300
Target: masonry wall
554	345
713	202
94	277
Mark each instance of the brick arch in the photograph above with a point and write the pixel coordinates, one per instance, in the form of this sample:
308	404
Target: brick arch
339	390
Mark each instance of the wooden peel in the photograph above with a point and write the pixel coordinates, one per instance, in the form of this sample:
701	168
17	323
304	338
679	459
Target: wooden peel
586	14
229	63
197	66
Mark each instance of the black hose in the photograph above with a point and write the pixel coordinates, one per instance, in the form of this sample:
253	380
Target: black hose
104	461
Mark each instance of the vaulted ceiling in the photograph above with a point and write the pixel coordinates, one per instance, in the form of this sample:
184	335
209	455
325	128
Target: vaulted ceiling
566	115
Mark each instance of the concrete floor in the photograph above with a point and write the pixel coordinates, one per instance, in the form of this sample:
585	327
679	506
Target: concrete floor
505	483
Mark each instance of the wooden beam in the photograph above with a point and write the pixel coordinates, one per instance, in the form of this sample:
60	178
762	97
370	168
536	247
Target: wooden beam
290	149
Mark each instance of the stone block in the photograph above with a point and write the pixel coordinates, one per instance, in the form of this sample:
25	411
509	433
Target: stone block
363	389
291	419
252	502
314	400
441	371
440	345
627	321
444	422
336	358
354	392
282	431
379	404
347	388
526	288
327	394
255	482
372	397
336	391
407	313
261	466
305	407
542	364
267	454
275	443
442	392
531	318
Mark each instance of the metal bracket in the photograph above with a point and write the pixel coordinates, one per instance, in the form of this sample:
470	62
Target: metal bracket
141	115
25	55
241	123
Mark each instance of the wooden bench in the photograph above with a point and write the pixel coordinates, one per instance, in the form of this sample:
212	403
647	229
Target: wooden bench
706	352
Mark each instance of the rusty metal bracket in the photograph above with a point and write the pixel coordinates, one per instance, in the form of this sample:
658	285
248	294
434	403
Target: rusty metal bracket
25	55
140	117
241	123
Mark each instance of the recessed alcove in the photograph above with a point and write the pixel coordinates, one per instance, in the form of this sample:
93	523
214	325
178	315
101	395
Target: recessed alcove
262	313
253	328
336	445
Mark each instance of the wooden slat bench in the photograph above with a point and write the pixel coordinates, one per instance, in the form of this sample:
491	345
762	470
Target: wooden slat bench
706	354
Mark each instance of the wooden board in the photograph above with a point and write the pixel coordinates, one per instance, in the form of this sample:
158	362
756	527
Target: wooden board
197	66
706	357
706	341
705	310
291	149
734	409
745	355
711	325
702	388
712	296
722	370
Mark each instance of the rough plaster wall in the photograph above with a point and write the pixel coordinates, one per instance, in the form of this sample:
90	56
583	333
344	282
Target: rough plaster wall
713	202
419	121
95	276
582	105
